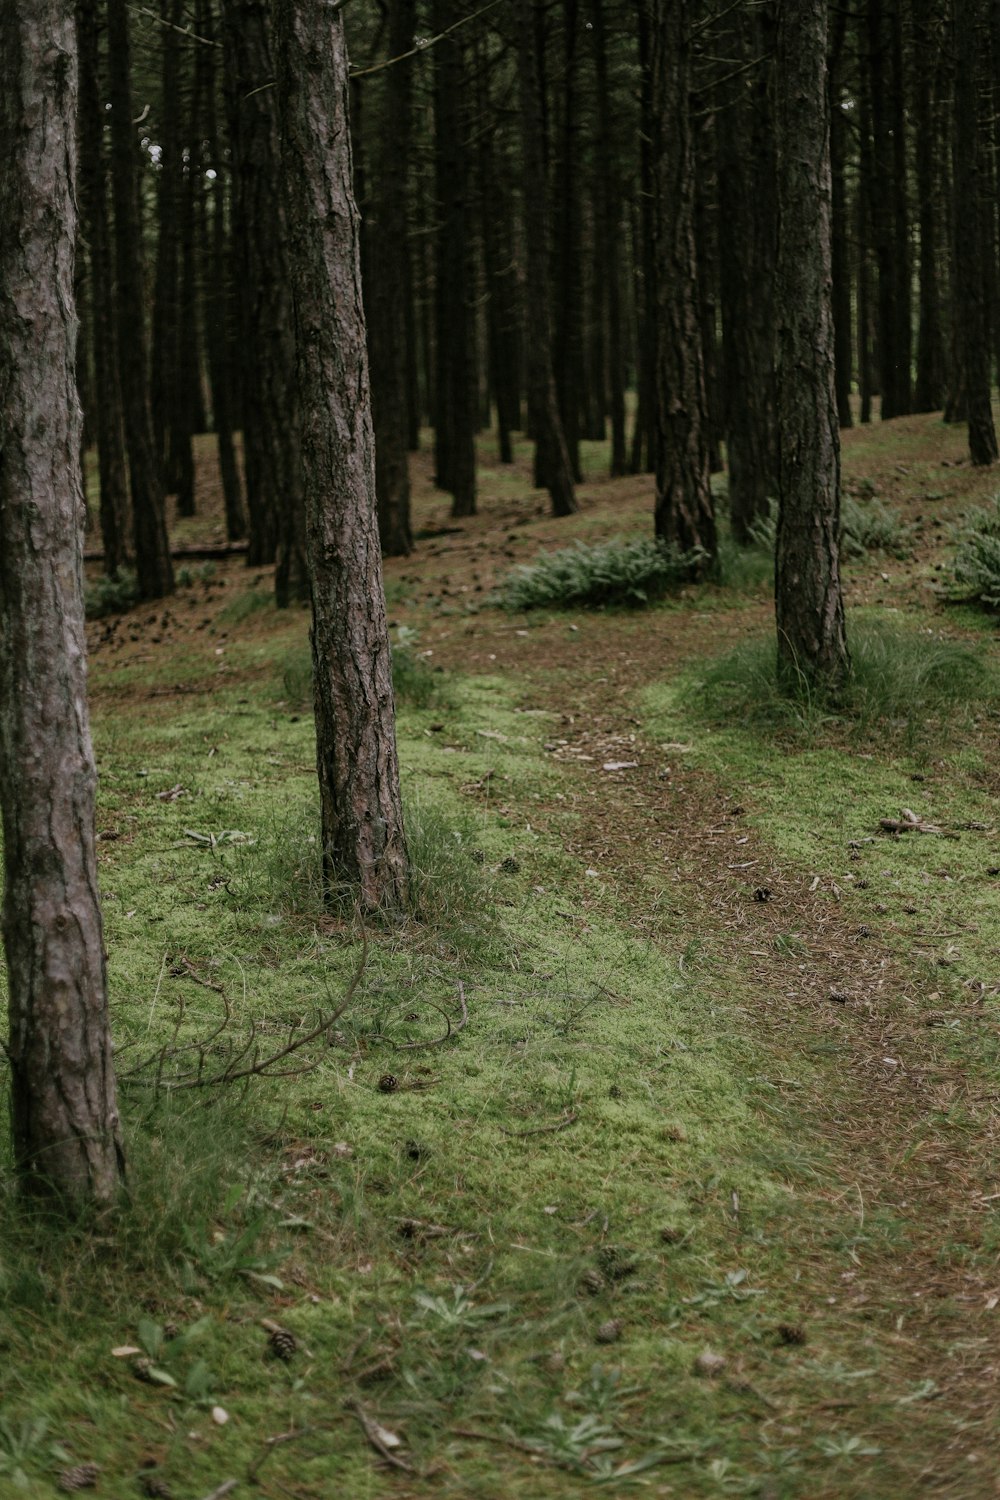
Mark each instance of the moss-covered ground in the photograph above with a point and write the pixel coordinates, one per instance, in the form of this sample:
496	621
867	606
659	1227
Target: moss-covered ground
654	1153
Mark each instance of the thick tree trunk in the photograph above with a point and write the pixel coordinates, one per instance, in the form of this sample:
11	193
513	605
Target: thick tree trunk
152	551
455	385
271	436
552	460
812	641
108	416
971	239
684	514
363	843
64	1114
746	169
386	290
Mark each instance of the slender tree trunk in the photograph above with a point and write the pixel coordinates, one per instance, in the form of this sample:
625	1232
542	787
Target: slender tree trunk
109	419
865	194
65	1129
971	238
386	290
840	238
567	346
218	323
643	455
684	513
552	458
929	394
608	233
166	314
746	172
271	423
363	843
812	640
889	205
455	393
152	550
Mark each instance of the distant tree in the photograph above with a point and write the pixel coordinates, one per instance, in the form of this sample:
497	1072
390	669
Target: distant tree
109	418
973	235
609	205
684	512
271	421
64	1115
386	288
553	467
928	48
154	570
889	203
812	641
362	823
455	376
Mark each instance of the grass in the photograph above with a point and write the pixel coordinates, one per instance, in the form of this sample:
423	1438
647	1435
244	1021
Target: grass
622	1092
907	684
976	564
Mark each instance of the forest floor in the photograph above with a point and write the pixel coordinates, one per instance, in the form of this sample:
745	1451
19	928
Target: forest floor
656	1153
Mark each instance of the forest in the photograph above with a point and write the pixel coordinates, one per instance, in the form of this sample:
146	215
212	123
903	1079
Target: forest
499	705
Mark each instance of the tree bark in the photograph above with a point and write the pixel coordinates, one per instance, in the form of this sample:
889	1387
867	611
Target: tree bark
65	1128
643	455
928	42
608	230
746	170
271	420
152	550
363	844
552	460
567	344
386	290
971	237
839	235
109	419
455	384
812	640
684	514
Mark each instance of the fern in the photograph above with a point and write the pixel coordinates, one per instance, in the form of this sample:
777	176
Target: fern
624	573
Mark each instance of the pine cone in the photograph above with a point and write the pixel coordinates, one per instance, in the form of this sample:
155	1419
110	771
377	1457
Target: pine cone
388	1084
592	1282
155	1489
283	1343
80	1477
609	1332
141	1368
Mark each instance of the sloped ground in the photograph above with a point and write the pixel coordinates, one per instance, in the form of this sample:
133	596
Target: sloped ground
686	1057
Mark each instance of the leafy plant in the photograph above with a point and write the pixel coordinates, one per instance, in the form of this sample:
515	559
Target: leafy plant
870	526
629	573
218	1255
976	567
24	1443
111	595
461	1312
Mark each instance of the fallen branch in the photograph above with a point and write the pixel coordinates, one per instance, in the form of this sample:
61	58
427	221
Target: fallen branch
373	1432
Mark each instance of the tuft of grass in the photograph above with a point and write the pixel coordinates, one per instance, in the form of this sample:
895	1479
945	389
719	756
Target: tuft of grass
252	602
630	573
976	566
870	526
111	596
903	683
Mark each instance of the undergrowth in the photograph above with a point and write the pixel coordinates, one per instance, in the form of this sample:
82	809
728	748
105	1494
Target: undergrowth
415	682
905	685
630	573
976	565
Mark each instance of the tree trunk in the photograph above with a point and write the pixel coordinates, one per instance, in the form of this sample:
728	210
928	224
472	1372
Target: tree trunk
218	322
567	345
152	550
684	513
746	171
608	229
552	458
971	238
455	385
271	422
812	640
109	419
643	455
363	843
889	205
929	394
840	237
65	1129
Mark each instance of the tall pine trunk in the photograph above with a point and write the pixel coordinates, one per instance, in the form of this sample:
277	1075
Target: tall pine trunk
64	1116
364	849
812	640
684	514
154	571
